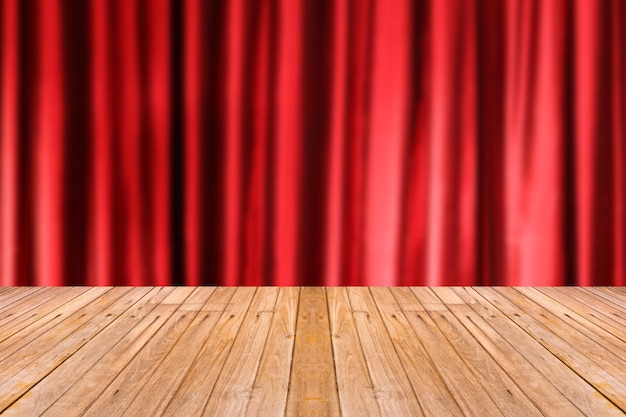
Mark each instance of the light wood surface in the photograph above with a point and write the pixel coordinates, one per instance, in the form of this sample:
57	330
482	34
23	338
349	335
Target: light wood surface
312	351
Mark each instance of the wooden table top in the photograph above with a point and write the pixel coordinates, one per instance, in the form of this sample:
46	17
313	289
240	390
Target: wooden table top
312	351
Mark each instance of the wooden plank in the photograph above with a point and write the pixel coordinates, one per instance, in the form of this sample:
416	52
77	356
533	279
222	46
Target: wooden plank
428	300
16	294
406	300
117	396
16	341
80	395
590	311
162	385
469	395
509	398
505	393
24	369
268	351
44	327
26	318
577	336
73	370
600	299
179	296
233	387
269	393
356	391
447	296
204	299
564	379
5	291
14	312
433	394
192	395
555	337
619	292
531	382
313	384
19	294
394	393
616	297
604	301
577	321
22	302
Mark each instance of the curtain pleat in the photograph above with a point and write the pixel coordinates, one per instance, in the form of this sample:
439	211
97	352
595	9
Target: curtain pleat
299	142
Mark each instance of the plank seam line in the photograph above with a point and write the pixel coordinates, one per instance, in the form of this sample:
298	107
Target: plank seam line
332	351
395	349
293	349
428	313
548	351
269	328
230	348
358	337
76	351
131	360
576	330
196	358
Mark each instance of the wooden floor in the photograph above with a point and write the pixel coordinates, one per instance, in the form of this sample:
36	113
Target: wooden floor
312	351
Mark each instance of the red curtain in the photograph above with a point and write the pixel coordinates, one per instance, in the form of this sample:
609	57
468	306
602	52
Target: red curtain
309	142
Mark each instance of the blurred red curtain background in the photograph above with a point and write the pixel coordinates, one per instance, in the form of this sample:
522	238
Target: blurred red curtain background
373	142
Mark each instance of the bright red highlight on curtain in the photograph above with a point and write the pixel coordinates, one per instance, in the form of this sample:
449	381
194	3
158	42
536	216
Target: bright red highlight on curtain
9	145
300	142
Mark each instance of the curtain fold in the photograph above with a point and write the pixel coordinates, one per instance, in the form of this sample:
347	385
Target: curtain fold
299	142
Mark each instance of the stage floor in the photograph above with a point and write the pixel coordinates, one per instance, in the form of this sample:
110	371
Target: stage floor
312	351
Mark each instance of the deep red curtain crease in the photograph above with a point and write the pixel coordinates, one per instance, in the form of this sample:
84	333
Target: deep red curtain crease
307	142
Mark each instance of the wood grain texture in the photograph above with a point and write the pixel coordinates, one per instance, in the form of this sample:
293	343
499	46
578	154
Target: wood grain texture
616	296
547	398
564	379
592	309
269	393
26	306
312	351
497	384
128	383
604	301
469	394
578	321
26	318
74	369
24	368
233	388
394	392
356	391
587	359
16	340
154	395
194	392
312	390
84	392
13	295
434	396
